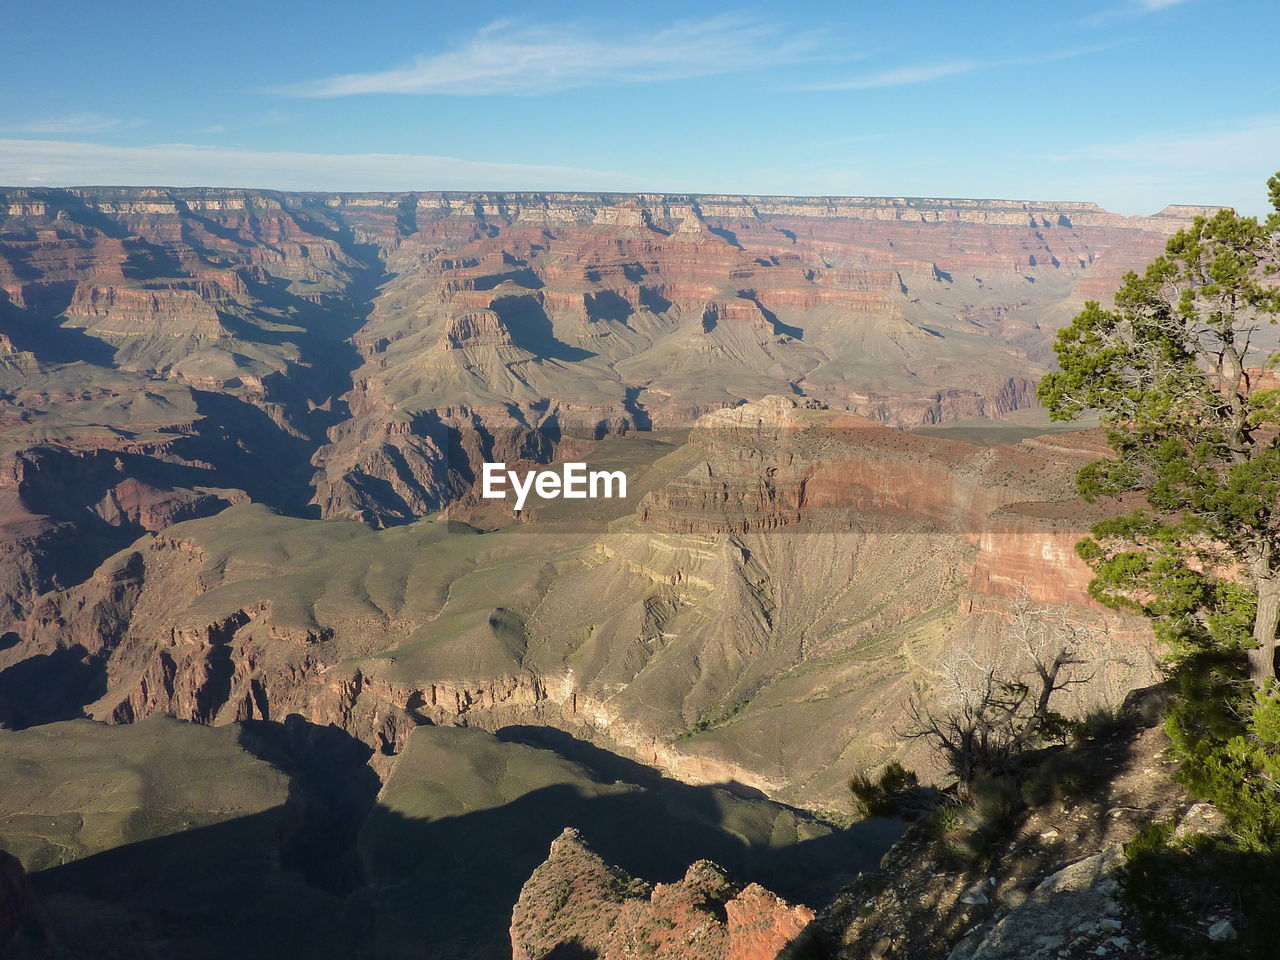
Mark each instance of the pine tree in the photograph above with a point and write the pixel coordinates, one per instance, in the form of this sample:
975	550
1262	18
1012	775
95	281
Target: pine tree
1177	369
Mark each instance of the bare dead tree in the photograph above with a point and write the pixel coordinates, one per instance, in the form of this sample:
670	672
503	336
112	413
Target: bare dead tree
983	716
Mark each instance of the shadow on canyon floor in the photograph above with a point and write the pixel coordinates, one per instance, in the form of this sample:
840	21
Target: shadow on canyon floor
213	892
49	687
531	329
332	790
41	330
461	875
330	874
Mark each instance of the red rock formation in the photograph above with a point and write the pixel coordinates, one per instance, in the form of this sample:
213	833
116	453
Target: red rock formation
784	462
165	353
576	899
121	311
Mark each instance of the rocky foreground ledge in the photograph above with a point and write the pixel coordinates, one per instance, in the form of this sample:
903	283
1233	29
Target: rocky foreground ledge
576	904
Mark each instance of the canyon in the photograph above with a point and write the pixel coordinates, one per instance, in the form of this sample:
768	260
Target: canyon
167	352
242	447
787	568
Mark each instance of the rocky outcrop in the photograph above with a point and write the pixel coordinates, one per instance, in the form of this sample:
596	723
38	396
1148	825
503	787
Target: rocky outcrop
575	901
573	897
1078	905
1048	882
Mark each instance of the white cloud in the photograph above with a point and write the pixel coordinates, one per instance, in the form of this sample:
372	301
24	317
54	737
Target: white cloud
1132	8
1226	165
902	76
506	58
926	72
1254	142
73	123
67	163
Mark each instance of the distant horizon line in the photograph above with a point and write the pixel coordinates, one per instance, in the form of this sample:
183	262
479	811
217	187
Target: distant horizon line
682	195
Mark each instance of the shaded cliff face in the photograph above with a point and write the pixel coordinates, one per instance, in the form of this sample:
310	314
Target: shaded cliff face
24	933
788	569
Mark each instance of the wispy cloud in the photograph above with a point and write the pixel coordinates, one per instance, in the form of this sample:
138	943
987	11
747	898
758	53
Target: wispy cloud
1252	143
1130	9
513	59
273	118
1226	164
902	76
65	163
927	72
269	118
73	123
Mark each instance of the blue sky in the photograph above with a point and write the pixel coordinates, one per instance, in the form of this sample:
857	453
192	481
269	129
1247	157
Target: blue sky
1130	103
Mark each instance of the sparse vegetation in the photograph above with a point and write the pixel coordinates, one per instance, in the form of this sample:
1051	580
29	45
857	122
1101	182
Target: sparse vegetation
1181	887
880	796
946	818
989	717
714	717
562	898
998	731
1098	723
1061	774
969	829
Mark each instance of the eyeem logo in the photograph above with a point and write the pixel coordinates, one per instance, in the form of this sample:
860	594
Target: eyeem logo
574	482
